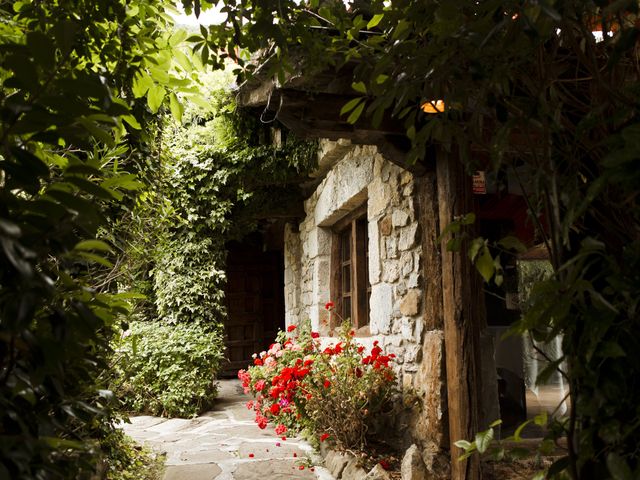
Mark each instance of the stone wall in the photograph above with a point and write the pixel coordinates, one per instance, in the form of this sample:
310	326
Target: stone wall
403	305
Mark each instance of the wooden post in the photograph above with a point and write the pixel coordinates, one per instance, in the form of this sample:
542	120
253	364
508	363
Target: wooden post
463	308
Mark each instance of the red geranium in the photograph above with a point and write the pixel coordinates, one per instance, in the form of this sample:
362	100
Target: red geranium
329	305
291	328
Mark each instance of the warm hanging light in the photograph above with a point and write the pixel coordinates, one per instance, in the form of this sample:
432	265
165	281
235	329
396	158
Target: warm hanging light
433	106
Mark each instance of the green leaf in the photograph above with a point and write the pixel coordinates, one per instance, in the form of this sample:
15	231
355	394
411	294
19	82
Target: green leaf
359	87
512	243
474	248
126	182
618	467
484	439
350	105
380	79
541	419
178	37
375	20
92	257
181	59
464	444
155	96
495	423
176	107
132	121
485	265
142	82
97	245
353	118
517	435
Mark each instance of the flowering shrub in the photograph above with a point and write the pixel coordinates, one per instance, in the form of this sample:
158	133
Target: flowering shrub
335	392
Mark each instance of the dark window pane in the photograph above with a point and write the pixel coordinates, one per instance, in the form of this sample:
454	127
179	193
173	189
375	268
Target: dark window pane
345	245
346	279
346	307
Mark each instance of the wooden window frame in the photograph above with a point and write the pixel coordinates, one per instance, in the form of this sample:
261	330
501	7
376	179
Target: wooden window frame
356	224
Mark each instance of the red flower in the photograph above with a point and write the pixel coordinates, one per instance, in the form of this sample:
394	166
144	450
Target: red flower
301	467
329	305
327	384
291	328
295	454
274	409
281	429
257	361
324	436
385	464
259	386
315	335
261	421
251	455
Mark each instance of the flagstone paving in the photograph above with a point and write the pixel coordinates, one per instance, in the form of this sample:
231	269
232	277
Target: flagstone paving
225	444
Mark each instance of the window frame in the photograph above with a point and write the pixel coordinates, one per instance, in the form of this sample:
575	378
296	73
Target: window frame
355	224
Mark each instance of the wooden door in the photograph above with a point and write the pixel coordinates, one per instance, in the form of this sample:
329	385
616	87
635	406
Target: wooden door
255	304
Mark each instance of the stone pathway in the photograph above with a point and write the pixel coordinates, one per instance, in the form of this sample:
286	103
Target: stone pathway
225	444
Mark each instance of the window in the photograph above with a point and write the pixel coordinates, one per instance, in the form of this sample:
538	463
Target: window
350	286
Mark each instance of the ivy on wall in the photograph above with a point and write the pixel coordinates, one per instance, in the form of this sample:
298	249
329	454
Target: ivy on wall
220	171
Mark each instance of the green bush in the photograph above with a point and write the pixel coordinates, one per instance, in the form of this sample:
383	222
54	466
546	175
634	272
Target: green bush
125	460
166	369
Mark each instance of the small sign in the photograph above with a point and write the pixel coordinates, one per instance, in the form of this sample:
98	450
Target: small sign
479	183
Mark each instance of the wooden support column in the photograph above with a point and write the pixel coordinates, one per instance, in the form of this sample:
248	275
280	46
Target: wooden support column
463	310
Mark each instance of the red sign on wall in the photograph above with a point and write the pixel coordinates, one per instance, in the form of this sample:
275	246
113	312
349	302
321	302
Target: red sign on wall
479	183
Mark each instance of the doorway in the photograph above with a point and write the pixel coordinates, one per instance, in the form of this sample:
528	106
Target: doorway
254	298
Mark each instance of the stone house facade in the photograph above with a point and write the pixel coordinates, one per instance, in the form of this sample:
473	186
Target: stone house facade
390	203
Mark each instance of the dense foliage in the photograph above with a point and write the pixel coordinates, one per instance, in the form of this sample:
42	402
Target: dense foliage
68	131
126	460
337	394
168	371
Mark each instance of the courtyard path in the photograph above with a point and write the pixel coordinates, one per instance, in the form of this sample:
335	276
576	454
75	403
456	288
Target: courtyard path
225	444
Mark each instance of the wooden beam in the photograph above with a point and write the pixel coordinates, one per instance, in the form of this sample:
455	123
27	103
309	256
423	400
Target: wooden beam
463	306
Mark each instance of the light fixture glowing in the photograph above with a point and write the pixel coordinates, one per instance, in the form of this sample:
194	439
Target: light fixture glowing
433	106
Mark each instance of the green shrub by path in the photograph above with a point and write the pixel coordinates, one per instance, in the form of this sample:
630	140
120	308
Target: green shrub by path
168	369
126	460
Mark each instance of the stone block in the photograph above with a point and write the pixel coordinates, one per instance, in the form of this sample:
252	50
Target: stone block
385	225
413	353
378	473
407	380
374	253
391	247
406	262
381	308
405	177
411	303
414	280
353	471
407	326
390	271
399	218
408	237
336	462
378	198
413	467
407	191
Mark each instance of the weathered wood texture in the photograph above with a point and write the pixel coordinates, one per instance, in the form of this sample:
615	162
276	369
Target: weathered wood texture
463	310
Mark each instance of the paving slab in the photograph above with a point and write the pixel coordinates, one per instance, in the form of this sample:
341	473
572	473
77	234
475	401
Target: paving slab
225	444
